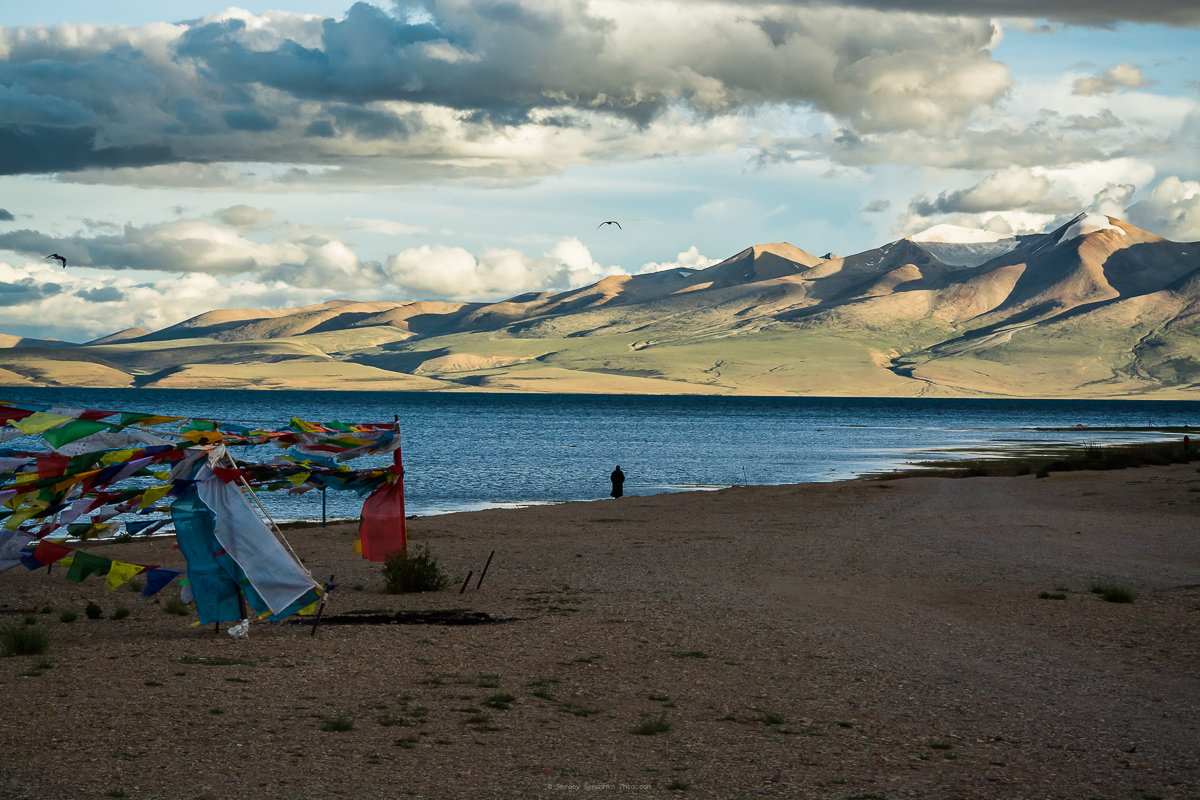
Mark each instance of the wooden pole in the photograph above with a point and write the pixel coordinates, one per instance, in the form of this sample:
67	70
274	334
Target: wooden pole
468	580
322	506
485	569
321	608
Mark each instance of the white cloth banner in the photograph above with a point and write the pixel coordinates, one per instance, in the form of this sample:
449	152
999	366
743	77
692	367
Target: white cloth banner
271	569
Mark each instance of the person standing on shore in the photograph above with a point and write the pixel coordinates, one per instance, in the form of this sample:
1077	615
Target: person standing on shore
618	481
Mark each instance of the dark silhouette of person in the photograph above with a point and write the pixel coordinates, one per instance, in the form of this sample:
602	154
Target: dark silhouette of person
618	481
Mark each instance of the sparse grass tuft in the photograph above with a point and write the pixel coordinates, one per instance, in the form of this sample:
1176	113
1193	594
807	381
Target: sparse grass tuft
691	654
93	610
24	640
1052	596
652	725
342	721
68	616
1112	592
416	572
500	700
121	613
175	606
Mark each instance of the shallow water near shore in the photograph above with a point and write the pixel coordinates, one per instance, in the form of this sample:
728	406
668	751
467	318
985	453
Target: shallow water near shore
472	451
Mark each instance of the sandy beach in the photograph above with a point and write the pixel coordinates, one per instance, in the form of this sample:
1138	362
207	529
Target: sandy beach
865	639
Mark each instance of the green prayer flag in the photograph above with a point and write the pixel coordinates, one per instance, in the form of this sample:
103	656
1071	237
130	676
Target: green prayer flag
64	434
86	564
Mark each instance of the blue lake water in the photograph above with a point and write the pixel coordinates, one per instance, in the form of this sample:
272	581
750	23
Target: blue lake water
469	451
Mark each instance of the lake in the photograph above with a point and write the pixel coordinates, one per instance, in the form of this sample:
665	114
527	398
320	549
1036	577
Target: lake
471	451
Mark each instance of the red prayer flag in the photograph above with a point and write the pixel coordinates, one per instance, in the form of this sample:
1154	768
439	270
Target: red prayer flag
382	531
49	552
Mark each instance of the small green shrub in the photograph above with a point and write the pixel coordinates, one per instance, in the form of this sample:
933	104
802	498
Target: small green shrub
30	619
652	725
416	572
121	613
342	721
175	606
24	640
500	700
136	585
68	616
93	610
1052	596
1112	592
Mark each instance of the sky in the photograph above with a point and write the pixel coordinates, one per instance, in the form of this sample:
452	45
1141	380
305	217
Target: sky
188	156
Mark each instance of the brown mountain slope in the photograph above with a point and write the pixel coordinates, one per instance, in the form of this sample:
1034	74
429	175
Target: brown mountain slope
1096	307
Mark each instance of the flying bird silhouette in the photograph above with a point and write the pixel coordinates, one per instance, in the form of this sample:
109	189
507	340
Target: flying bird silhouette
62	259
609	222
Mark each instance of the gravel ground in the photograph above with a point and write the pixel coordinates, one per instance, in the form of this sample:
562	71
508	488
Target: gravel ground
868	639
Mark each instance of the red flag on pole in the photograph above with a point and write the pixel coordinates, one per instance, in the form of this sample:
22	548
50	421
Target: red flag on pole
382	530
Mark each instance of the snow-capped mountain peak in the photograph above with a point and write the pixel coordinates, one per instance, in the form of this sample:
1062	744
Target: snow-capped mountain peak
956	234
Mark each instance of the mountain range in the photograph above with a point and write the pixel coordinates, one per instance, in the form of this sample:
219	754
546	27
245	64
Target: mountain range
1094	308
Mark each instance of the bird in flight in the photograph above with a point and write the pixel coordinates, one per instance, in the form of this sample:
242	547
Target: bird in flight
62	259
609	222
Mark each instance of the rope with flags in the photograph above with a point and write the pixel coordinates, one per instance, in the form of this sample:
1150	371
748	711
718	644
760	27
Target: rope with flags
73	474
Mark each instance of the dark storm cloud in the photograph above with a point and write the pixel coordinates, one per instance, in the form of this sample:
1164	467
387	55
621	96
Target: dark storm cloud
297	89
18	294
1185	13
40	148
6	215
105	294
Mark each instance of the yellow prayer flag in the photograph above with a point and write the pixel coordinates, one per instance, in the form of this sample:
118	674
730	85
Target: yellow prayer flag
153	495
19	516
358	546
117	456
38	422
309	609
119	573
298	479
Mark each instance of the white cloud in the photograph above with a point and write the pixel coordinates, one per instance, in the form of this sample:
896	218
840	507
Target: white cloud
1172	210
1113	200
441	272
691	258
1121	76
244	216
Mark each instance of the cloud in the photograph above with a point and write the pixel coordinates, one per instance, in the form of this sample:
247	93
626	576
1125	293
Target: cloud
691	258
6	215
1172	210
458	90
1013	188
244	216
876	206
1094	12
454	273
1095	122
105	294
1121	76
1113	199
20	294
387	227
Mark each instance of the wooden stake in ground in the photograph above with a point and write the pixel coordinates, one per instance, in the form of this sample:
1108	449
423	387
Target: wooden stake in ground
485	569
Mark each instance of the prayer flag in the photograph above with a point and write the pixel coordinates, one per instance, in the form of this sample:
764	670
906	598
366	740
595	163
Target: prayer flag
158	578
49	552
85	564
120	573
